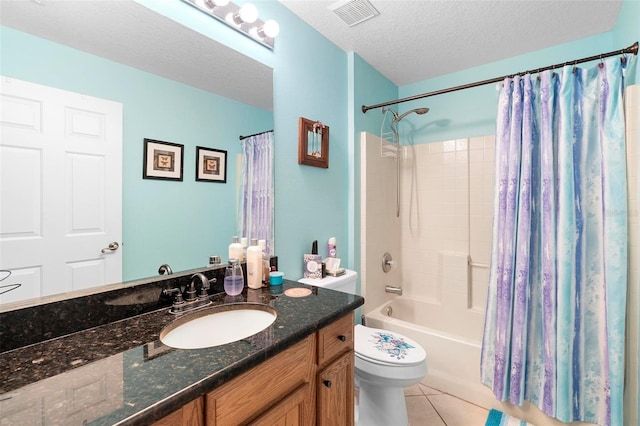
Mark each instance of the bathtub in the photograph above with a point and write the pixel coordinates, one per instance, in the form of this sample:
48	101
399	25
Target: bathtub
453	349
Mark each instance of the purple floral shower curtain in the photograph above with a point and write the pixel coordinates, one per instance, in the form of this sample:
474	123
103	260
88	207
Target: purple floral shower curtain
555	321
257	192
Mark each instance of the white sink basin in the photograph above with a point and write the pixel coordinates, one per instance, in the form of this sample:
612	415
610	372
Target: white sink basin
217	326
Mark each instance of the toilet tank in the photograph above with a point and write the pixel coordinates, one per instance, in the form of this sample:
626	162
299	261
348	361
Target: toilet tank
345	283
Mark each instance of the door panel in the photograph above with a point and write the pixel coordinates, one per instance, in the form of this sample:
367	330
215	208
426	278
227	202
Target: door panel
61	183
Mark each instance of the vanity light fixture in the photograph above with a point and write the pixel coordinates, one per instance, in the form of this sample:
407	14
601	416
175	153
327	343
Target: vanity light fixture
248	13
270	29
242	19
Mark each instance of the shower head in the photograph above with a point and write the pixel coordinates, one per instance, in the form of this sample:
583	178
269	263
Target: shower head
418	111
397	118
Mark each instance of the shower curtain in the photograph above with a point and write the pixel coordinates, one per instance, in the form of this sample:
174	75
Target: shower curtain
257	192
555	320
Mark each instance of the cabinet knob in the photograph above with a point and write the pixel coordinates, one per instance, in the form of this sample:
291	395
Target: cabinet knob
327	383
342	337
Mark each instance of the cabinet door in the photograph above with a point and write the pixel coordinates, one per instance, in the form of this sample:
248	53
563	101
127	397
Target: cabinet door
335	402
251	394
288	412
191	414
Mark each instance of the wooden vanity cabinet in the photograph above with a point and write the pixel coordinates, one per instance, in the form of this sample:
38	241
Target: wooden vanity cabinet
267	388
191	414
335	377
308	383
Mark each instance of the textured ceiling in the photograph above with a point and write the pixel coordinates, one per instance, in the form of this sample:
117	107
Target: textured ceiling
128	33
412	41
409	41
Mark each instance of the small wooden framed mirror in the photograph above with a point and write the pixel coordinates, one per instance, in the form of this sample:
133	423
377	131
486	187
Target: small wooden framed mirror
313	143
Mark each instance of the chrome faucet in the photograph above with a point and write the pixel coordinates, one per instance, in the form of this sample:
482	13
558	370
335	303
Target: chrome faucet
191	298
165	268
190	294
393	290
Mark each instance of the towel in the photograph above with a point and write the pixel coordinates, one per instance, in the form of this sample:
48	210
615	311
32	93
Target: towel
498	418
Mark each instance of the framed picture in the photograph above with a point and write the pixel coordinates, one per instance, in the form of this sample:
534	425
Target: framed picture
211	165
162	160
313	143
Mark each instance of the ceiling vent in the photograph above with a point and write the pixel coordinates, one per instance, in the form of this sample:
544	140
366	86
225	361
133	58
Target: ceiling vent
353	12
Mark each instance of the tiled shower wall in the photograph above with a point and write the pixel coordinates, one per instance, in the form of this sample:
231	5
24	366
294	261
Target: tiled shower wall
446	221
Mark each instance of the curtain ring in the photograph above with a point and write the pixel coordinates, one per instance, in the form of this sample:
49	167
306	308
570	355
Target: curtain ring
601	64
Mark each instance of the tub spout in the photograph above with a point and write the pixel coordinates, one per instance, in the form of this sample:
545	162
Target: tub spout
393	290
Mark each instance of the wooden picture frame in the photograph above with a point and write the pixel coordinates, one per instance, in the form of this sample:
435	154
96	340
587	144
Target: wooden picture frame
211	165
313	143
162	160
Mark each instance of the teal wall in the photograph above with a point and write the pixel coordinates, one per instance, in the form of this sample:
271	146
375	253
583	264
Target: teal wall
627	32
310	80
180	223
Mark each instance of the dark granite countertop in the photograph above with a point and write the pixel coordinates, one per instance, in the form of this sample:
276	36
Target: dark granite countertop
120	373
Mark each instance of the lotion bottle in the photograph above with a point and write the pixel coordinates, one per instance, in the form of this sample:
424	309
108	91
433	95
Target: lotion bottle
243	243
266	264
332	247
254	265
235	250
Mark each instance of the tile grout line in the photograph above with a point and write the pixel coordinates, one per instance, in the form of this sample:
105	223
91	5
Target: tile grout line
435	409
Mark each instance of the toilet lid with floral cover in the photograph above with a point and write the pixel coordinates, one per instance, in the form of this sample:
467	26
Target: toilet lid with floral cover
387	346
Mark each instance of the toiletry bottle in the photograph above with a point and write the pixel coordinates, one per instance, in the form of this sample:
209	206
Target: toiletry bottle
266	267
233	278
254	265
243	243
235	250
332	247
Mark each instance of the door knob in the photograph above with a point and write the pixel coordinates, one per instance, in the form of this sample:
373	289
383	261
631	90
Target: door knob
112	247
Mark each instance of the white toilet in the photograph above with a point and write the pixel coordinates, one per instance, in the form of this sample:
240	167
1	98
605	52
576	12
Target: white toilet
385	363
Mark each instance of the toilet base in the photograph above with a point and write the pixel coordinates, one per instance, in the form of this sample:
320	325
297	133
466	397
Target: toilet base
380	406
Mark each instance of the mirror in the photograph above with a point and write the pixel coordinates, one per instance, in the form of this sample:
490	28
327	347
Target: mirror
125	40
313	143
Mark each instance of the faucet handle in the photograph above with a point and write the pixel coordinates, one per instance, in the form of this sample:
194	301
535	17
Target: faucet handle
177	300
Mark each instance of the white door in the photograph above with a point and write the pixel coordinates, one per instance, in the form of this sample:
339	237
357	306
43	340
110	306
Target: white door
61	190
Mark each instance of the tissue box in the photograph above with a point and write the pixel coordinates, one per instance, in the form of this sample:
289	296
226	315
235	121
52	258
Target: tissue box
312	266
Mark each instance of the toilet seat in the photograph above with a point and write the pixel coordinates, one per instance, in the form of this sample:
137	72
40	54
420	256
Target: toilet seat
384	347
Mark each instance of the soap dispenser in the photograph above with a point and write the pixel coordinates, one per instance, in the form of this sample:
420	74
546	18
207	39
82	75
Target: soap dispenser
254	265
233	278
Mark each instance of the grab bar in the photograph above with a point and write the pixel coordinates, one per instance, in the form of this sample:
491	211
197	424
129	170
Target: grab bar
475	264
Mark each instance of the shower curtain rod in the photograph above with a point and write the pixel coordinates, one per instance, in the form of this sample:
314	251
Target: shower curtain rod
631	49
255	134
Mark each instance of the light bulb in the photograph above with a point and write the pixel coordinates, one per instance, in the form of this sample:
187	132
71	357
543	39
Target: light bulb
248	13
271	28
211	4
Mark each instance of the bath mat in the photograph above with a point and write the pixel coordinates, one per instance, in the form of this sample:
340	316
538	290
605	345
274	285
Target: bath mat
498	418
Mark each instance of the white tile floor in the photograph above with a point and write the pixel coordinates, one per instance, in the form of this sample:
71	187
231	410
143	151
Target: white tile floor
430	407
